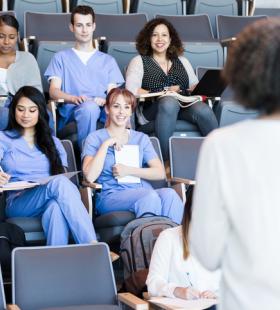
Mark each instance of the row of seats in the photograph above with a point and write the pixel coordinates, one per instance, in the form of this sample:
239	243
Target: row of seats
130	6
148	7
200	47
66	277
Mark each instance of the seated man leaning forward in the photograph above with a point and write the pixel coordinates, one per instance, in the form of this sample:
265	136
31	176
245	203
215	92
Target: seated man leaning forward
82	76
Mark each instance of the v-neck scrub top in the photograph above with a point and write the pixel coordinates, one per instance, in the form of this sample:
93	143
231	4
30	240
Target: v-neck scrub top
22	162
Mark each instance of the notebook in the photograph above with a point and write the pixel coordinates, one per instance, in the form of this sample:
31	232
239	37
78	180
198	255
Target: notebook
211	84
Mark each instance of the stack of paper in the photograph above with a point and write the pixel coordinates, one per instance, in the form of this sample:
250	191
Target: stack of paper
180	304
128	156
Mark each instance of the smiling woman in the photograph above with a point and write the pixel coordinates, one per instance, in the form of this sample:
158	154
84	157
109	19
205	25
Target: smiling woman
14	65
28	152
99	163
160	65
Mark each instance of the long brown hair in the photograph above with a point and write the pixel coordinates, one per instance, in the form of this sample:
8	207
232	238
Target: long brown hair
186	223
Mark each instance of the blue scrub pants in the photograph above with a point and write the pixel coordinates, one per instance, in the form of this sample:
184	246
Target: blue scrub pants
163	201
59	203
86	116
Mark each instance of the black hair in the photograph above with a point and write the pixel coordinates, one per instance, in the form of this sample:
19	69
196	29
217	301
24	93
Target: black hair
43	137
9	20
83	10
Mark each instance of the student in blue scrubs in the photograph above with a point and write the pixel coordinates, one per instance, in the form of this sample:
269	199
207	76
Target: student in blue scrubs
29	152
99	164
81	76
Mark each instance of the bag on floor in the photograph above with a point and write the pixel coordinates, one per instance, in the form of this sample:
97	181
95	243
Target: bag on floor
11	236
137	242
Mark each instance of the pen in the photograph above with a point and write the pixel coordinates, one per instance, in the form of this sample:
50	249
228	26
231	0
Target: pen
188	275
1	170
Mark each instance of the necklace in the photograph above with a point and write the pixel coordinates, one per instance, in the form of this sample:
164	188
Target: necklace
163	65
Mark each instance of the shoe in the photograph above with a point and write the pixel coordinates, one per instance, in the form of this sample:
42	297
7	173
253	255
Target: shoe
114	256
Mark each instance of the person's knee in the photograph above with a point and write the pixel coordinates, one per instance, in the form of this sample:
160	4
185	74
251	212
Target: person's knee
88	109
62	185
150	202
203	111
168	106
168	193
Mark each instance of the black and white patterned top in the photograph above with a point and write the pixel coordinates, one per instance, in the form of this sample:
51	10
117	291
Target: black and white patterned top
155	79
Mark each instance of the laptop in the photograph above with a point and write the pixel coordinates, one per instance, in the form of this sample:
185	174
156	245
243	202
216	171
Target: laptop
211	84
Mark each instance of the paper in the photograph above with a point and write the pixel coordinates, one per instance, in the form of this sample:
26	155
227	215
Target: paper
29	184
129	156
179	304
18	185
68	175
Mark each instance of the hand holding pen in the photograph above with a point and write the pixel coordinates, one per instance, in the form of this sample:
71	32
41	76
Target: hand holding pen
4	177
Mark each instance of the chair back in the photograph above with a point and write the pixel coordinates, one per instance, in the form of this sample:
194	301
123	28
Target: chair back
2	293
183	152
126	26
267	11
153	7
212	8
229	112
195	27
230	26
156	145
60	276
102	6
21	6
45	52
204	54
123	52
48	26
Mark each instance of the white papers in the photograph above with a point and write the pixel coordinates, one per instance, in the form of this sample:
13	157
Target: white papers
129	156
177	303
29	184
18	185
68	175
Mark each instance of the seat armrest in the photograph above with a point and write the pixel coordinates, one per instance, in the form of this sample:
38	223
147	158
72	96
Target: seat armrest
228	41
52	106
133	301
27	41
86	196
92	185
180	189
182	180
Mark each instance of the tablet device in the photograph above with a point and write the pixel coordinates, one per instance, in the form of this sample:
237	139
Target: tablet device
211	84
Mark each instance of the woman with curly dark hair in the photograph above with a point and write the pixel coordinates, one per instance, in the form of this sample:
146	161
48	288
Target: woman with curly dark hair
28	152
160	66
236	211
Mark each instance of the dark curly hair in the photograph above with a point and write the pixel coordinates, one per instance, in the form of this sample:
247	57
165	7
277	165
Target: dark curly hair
143	39
253	66
44	140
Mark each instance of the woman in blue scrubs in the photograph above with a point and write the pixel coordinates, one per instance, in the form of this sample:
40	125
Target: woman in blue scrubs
28	152
99	164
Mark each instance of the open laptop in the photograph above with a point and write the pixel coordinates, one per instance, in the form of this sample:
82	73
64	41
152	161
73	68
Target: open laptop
211	84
